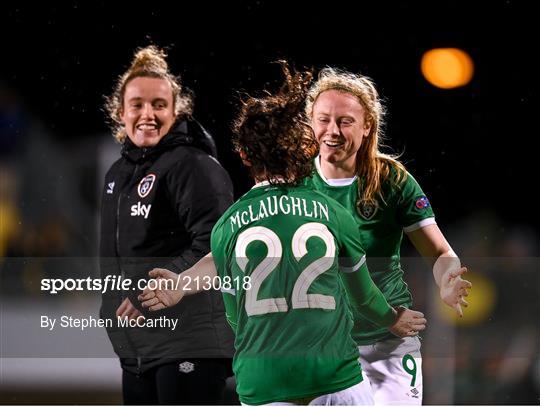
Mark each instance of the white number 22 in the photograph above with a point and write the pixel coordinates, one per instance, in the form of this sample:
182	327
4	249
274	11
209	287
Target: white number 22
300	297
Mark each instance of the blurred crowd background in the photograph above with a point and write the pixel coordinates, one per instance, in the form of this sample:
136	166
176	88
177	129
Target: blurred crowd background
471	148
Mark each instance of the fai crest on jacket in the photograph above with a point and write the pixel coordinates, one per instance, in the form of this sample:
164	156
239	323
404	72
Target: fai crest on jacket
146	185
366	210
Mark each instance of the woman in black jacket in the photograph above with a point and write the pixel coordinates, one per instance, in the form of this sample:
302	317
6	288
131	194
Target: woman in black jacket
160	202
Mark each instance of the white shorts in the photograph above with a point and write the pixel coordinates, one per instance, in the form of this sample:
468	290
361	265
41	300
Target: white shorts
394	369
357	395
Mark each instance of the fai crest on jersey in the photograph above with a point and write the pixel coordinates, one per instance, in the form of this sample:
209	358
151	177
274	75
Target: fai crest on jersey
366	210
422	202
146	184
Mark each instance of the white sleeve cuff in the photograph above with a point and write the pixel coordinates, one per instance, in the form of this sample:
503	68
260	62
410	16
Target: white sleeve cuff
231	291
419	225
355	267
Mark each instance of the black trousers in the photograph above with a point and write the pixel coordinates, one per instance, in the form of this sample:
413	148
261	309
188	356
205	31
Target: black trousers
182	382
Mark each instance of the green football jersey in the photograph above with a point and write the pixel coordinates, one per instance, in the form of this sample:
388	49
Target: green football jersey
380	231
293	322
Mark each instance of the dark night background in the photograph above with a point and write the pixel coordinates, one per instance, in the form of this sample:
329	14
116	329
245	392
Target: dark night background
473	149
469	147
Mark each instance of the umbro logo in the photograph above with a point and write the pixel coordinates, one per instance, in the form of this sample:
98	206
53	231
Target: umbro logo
110	187
186	367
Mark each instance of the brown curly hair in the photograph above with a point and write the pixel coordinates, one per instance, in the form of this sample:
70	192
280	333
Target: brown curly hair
148	62
273	133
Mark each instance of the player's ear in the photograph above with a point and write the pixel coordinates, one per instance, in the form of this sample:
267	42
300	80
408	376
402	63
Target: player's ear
244	157
367	129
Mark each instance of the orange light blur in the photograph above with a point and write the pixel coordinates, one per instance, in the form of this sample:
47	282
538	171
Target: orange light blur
447	68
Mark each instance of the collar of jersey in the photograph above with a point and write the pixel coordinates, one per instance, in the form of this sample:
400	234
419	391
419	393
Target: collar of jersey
265	183
333	182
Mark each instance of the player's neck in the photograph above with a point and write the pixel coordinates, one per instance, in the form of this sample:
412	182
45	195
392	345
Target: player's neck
337	170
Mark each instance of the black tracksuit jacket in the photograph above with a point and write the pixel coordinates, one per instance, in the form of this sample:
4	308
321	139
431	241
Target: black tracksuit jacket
158	208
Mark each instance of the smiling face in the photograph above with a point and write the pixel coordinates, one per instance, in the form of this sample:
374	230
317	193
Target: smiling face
148	110
339	124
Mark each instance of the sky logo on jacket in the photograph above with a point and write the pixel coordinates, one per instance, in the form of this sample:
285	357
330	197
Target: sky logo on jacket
141	210
145	185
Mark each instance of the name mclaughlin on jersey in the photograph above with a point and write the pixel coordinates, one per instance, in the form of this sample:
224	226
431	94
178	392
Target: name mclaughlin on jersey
286	205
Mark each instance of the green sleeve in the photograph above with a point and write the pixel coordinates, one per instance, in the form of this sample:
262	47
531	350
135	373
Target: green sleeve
367	299
363	293
230	309
413	205
220	260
